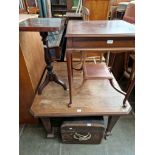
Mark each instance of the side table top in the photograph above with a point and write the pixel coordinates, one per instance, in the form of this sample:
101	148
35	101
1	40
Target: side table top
42	24
100	28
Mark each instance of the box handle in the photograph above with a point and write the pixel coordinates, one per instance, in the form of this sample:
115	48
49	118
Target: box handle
81	137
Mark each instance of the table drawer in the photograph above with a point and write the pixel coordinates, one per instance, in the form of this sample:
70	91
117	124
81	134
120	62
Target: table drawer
103	42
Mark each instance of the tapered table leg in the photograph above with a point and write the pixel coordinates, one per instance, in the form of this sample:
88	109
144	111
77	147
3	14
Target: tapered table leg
48	127
69	70
111	123
48	59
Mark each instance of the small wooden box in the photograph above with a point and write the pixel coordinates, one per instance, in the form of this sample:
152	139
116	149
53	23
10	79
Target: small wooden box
83	130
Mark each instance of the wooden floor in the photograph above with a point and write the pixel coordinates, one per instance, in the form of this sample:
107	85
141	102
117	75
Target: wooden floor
92	97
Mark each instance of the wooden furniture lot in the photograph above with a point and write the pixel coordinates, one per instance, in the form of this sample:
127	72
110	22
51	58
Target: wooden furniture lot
31	55
91	98
114	36
45	25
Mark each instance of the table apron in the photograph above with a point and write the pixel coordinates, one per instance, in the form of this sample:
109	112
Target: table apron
112	44
113	50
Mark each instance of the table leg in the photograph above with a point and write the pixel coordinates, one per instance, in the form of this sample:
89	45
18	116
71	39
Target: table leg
69	70
72	64
50	75
47	125
131	86
111	123
112	84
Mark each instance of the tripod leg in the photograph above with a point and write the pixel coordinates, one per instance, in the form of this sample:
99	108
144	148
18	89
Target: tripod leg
55	79
41	87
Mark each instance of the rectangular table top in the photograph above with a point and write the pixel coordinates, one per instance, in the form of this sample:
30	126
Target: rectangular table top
42	24
100	28
90	98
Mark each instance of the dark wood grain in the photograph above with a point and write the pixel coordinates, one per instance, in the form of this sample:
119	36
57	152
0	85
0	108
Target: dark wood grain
102	28
42	24
93	97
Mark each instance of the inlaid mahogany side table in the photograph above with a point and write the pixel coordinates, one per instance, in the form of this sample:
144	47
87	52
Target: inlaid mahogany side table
45	25
115	36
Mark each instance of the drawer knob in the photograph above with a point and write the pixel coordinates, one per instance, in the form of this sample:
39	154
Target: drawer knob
110	41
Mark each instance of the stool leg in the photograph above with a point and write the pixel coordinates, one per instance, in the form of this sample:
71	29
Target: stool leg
69	70
132	84
112	120
47	125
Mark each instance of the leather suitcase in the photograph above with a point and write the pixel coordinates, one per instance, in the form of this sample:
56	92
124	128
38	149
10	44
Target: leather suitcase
83	130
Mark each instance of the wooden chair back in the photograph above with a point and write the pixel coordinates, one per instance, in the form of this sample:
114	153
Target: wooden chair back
129	15
85	13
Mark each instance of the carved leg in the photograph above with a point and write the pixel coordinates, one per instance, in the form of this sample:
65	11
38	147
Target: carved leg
69	70
132	84
132	75
112	84
47	125
111	123
41	87
55	79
